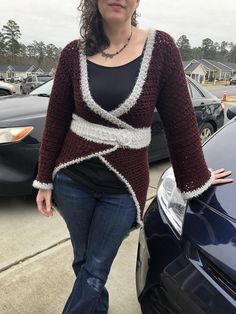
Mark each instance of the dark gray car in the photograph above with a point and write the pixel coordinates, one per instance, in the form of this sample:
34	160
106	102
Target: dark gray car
22	120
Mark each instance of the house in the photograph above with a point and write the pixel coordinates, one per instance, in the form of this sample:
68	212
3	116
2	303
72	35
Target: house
195	70
232	67
216	70
10	71
209	70
6	71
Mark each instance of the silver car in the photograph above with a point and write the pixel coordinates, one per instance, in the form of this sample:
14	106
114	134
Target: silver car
6	89
32	82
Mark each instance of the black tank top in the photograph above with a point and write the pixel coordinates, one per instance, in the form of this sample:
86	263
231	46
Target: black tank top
109	87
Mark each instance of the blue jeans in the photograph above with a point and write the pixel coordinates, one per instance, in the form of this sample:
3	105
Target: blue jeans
97	223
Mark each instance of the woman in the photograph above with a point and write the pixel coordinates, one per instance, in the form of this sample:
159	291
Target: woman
95	144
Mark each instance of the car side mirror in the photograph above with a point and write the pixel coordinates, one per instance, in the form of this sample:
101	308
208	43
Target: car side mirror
231	112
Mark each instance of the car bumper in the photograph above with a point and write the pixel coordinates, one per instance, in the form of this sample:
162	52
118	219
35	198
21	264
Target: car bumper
168	279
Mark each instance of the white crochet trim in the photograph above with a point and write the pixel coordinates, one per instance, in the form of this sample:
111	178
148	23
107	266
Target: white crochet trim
137	90
40	185
89	100
134	139
199	191
138	217
131	100
78	160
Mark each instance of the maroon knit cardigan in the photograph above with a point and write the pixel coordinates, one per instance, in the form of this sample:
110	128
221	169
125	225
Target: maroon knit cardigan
163	86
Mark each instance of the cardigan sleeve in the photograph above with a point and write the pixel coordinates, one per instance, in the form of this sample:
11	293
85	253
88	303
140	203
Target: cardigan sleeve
180	125
58	119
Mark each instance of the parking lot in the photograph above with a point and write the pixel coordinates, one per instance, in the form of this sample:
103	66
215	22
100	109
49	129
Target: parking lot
35	272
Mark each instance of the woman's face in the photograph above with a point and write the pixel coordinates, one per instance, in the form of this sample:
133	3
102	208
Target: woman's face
117	11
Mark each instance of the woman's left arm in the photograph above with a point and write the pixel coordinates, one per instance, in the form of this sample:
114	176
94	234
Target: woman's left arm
174	105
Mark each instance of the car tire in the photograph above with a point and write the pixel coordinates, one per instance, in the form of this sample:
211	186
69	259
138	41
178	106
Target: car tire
22	90
4	92
206	130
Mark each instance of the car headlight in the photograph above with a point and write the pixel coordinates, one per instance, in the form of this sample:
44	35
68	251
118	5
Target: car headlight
170	201
11	135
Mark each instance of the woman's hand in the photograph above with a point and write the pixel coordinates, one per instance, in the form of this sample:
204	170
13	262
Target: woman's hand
44	202
220	176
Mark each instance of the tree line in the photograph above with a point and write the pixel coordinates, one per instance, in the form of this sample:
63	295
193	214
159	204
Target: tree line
223	52
13	51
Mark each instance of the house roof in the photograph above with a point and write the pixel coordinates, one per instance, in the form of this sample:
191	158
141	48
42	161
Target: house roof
38	70
4	67
208	65
217	65
186	63
192	67
230	65
24	68
18	68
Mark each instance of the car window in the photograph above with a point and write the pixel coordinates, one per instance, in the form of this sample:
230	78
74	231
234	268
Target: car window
29	80
195	92
43	78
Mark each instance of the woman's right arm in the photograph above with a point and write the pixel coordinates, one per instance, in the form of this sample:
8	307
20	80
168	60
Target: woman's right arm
58	119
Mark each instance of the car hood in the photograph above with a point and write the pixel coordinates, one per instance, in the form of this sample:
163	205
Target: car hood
220	152
7	86
14	108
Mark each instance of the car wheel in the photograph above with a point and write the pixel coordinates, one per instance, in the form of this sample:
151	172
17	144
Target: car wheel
21	90
206	131
4	92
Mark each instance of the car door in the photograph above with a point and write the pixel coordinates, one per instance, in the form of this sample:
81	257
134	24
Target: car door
200	103
158	148
27	85
33	83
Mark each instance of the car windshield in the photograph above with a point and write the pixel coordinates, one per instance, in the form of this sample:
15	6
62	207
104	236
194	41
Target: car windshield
43	90
43	78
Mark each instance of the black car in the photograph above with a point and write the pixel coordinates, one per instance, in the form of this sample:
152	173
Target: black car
22	120
186	261
210	117
233	80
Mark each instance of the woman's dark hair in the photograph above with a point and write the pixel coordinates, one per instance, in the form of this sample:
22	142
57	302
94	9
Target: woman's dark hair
92	33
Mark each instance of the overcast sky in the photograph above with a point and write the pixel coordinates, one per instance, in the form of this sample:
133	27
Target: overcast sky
57	21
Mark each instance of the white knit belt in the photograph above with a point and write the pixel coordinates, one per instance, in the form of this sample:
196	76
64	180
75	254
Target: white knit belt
133	138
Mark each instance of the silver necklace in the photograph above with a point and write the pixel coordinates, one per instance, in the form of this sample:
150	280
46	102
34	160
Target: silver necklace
108	55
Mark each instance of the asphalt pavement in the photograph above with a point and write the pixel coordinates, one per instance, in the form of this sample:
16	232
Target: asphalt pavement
35	265
218	91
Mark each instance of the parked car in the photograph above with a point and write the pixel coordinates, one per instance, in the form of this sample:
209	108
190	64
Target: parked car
233	80
186	261
210	117
22	120
31	82
16	79
6	89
